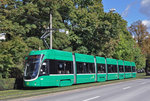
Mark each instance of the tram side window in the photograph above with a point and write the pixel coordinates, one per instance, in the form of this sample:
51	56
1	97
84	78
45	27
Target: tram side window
121	68
53	69
80	68
61	67
114	68
68	68
109	68
91	68
83	67
101	68
127	68
133	69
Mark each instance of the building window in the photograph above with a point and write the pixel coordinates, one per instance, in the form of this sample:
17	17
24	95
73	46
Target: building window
101	68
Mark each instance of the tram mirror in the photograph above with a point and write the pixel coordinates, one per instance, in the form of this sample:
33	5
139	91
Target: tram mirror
43	69
44	63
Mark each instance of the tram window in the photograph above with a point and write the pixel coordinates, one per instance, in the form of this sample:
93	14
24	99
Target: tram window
53	69
127	68
101	68
68	68
44	68
91	68
61	67
83	67
133	69
109	68
79	67
121	68
114	68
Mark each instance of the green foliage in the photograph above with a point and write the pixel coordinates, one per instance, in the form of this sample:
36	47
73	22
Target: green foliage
12	55
34	43
127	49
139	58
6	84
5	64
91	31
124	48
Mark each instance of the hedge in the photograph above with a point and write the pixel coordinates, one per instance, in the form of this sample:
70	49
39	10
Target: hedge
11	83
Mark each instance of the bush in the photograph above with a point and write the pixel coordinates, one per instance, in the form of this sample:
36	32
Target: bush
6	84
11	83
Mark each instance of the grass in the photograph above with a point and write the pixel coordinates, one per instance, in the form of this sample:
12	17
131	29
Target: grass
12	94
142	76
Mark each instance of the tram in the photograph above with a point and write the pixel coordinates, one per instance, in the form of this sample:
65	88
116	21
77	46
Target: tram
45	68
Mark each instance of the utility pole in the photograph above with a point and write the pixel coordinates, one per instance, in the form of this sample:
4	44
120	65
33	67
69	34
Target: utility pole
50	28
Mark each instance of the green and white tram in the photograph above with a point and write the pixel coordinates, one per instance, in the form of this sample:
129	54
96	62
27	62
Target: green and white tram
44	68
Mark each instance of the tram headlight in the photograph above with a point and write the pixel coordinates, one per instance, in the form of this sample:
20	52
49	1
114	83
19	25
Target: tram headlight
27	83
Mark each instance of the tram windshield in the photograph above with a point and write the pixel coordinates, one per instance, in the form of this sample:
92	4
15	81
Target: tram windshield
32	66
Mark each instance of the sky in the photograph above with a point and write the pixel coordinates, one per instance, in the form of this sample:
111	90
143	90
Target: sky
130	10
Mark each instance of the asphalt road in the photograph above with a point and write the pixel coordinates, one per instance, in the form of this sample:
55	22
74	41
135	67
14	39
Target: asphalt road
135	90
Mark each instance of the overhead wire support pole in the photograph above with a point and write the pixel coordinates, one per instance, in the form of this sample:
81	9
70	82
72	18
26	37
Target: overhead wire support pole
50	28
49	32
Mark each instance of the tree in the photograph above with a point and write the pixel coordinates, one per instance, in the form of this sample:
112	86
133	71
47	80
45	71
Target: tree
91	30
12	54
34	43
139	32
141	35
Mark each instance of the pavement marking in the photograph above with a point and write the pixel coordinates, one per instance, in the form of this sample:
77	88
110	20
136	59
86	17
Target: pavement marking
126	88
91	98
